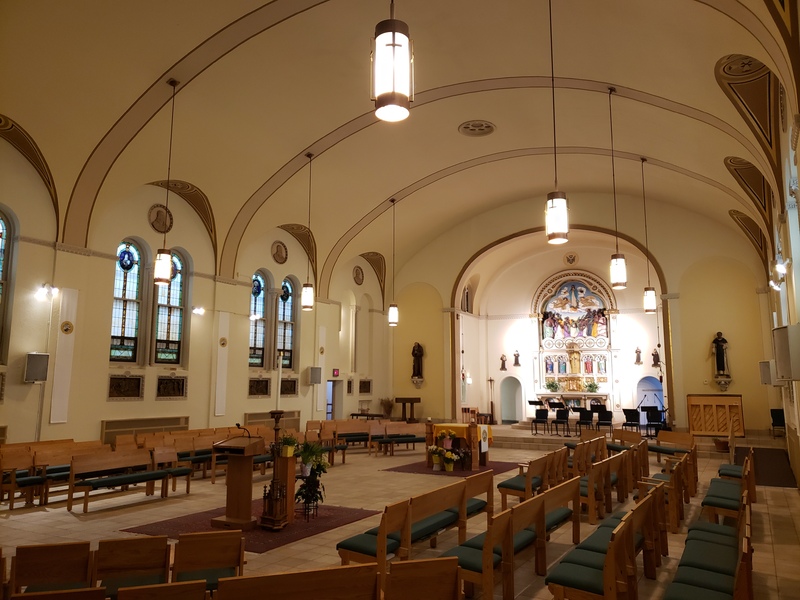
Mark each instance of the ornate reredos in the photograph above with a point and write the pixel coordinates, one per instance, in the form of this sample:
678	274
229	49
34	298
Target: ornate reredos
550	286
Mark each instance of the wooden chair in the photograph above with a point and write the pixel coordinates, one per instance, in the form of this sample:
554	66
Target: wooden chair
184	590
79	594
428	578
209	555
167	459
128	562
356	582
478	566
51	567
532	476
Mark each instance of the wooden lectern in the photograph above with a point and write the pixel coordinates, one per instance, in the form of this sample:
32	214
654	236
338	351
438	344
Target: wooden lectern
239	481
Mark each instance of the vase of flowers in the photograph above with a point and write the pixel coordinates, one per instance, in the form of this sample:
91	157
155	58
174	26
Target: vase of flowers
449	436
288	442
436	457
449	459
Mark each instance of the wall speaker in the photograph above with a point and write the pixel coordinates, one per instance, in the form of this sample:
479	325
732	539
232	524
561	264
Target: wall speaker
314	375
36	367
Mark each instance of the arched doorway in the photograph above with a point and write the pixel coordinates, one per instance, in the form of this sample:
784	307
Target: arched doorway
510	400
649	392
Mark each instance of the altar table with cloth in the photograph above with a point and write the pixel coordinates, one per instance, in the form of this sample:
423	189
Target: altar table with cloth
470	433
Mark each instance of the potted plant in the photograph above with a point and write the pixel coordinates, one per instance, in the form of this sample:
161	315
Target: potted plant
311	491
449	458
449	437
551	385
436	456
387	405
288	442
310	453
591	387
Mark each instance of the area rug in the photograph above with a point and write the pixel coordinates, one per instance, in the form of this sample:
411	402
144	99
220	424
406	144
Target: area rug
260	540
421	468
771	465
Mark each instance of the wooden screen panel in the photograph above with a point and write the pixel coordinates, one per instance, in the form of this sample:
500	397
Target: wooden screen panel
710	414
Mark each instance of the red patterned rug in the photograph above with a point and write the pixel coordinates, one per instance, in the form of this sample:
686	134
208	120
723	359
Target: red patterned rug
423	469
260	540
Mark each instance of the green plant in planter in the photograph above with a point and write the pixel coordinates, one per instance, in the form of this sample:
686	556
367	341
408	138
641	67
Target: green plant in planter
591	387
311	491
551	385
311	452
288	440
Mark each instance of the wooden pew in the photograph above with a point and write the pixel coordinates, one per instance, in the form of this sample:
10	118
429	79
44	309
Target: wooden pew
381	546
184	590
135	561
674	444
119	469
209	555
46	567
428	515
532	477
79	594
428	578
356	582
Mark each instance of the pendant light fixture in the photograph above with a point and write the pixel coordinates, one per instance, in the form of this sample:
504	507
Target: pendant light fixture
392	69
556	211
394	313
649	299
619	271
162	271
307	294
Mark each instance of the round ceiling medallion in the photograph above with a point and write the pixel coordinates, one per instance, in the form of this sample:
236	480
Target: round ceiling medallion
67	327
476	128
279	252
160	218
571	258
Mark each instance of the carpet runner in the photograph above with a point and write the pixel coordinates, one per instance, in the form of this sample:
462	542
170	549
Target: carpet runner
260	540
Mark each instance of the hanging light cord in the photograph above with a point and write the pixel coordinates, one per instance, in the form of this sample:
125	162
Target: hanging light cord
611	90
174	84
646	242
308	266
553	95
393	202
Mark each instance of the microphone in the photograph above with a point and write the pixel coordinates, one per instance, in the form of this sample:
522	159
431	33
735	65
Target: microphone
238	426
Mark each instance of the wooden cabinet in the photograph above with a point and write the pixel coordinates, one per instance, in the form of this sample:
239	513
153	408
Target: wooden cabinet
710	414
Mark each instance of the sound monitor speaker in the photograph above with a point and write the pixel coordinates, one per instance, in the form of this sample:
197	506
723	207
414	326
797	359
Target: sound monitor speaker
314	375
36	367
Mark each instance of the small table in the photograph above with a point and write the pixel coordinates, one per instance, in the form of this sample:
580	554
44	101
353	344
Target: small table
408	402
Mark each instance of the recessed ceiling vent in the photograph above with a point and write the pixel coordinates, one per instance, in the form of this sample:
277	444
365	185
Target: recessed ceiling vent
476	128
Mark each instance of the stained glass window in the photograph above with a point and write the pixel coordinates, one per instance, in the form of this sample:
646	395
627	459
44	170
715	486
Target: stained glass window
286	323
169	316
257	321
127	303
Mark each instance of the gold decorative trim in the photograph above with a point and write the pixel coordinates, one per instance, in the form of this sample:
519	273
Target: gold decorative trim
67	327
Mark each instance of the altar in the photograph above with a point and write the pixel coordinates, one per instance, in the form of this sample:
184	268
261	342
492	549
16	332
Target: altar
583	399
467	436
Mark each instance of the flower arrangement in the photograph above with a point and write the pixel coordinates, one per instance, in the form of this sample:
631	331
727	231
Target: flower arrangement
552	385
591	387
434	450
451	434
441	435
449	457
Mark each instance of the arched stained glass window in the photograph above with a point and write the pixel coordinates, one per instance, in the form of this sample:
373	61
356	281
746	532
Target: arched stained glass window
258	323
127	304
286	322
169	315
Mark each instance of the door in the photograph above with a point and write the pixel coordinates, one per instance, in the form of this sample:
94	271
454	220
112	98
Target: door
510	400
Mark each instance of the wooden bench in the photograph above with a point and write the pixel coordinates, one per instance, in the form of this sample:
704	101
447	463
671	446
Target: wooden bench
110	470
398	434
428	578
209	556
723	497
675	493
46	567
736	472
532	477
432	513
379	547
126	562
18	475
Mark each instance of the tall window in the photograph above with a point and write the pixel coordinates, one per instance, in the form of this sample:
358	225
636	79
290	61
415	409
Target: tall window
127	304
286	323
257	321
169	316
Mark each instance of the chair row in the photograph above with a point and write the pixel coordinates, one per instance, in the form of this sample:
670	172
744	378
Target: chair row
433	578
561	421
420	518
127	562
716	562
604	565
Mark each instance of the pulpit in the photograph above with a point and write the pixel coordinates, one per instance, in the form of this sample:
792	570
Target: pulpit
239	481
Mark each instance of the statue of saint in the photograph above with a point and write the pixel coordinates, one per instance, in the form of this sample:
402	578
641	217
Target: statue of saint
417	353
638	360
516	358
719	348
503	360
656	358
574	361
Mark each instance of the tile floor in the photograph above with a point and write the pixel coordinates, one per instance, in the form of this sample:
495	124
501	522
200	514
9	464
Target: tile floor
363	483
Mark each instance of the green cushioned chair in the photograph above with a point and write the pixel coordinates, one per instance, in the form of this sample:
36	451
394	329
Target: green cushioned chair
599	540
474	505
429	525
366	543
710	557
714	538
586	558
728	470
614	447
518	483
577	576
471	559
522	539
682	591
212	576
701	578
714	528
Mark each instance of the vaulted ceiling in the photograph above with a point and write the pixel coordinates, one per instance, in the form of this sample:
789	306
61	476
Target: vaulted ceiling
705	91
